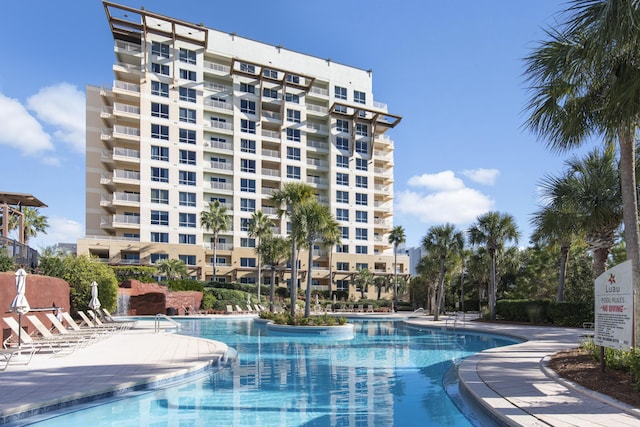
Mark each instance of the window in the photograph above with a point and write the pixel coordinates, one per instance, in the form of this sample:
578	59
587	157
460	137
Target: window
160	49
159	237
269	93
247	106
188	136
187	199
154	258
362	266
248	165
359	97
362	216
342	178
248	68
187	178
159	153
159	196
187	157
270	73
361	164
293	172
341	109
248	280
361	233
160	110
247	126
343	249
248	185
188	56
188	259
247	146
292	78
187	94
160	68
159	218
342	214
344	232
342	161
245	224
362	129
293	134
160	132
290	97
247	205
187	239
342	143
222	200
293	153
342	125
187	220
160	89
187	74
245	87
247	242
187	115
159	174
362	146
342	196
342	266
293	116
361	199
362	181
340	92
248	262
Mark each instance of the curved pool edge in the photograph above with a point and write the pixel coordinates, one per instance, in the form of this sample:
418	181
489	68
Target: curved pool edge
346	331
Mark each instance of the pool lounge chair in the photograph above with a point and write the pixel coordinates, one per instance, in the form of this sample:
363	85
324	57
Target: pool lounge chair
230	310
25	339
93	335
72	342
72	323
8	355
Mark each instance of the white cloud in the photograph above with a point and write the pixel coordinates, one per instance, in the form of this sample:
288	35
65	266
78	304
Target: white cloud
441	181
63	107
482	176
21	130
60	230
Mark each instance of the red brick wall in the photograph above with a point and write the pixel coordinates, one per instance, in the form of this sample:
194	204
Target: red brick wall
144	299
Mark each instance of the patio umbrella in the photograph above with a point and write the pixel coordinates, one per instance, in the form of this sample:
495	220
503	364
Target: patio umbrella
95	302
20	304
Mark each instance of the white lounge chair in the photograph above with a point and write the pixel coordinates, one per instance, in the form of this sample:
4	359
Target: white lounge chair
71	342
90	334
28	340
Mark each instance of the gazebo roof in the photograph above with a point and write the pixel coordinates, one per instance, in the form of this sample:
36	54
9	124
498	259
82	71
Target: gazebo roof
20	199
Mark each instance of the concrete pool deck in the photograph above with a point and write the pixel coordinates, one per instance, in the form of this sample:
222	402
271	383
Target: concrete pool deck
510	382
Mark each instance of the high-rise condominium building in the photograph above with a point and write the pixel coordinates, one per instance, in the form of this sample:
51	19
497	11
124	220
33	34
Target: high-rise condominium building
196	115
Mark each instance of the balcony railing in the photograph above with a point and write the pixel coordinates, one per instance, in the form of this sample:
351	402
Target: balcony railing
126	86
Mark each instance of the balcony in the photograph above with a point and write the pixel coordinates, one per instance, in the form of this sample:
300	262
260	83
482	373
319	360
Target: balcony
270	172
126	88
216	68
319	145
317	128
270	134
126	132
126	110
216	124
317	110
320	164
219	145
218	165
218	105
270	153
224	186
316	180
125	155
215	87
126	176
318	92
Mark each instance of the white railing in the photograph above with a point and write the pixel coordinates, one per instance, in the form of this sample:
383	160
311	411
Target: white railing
130	87
221	165
270	172
319	91
128	47
221	185
126	152
317	144
272	115
215	87
218	104
126	130
317	180
271	134
317	109
219	145
126	197
220	125
126	108
317	128
317	162
122	174
270	153
225	69
126	219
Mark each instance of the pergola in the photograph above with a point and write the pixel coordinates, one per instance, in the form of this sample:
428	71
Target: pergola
12	204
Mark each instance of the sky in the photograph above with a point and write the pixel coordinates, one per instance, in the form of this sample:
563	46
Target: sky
452	69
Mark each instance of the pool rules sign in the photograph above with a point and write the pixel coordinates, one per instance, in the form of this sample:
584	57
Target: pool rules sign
614	308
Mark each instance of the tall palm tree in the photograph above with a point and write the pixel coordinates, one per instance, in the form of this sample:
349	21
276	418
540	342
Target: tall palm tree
445	242
215	219
331	237
259	228
33	224
172	268
291	195
381	282
493	230
364	279
396	237
584	82
309	221
273	251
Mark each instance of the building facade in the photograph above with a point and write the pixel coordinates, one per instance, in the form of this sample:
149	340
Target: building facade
196	115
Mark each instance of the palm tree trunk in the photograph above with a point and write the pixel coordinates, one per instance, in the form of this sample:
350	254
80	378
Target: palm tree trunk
215	257
307	303
440	291
492	286
294	278
630	216
564	256
272	290
395	276
331	273
259	273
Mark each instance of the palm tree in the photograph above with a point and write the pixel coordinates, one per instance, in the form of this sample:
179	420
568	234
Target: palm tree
291	195
215	219
493	230
445	242
33	224
380	282
584	82
172	268
331	237
273	251
364	279
259	228
309	221
396	237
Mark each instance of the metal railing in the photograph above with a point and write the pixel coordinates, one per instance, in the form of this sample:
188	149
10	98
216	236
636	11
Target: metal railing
21	253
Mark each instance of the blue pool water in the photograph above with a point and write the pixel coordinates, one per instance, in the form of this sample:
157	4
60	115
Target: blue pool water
388	375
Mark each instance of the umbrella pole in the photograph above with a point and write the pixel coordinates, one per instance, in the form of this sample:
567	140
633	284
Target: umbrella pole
19	330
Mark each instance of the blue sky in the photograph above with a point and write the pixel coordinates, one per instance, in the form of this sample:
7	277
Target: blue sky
452	69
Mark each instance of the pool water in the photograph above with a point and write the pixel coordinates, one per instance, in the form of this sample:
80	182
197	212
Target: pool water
388	375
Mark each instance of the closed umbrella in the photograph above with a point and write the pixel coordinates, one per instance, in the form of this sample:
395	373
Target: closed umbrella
95	302
20	304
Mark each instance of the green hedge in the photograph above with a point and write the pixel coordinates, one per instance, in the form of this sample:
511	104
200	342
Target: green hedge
184	285
556	313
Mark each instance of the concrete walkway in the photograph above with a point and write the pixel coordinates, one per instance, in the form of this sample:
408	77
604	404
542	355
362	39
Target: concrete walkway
514	385
122	362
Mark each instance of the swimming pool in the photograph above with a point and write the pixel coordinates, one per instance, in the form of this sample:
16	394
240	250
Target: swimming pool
389	374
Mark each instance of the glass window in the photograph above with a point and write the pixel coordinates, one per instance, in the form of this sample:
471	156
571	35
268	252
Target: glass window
362	181
362	216
342	196
159	237
247	205
342	266
245	223
187	94
160	110
154	258
362	146
188	74
362	266
159	218
248	185
187	199
344	232
248	262
341	109
361	199
342	125
159	153
160	132
340	92
187	178
293	172
361	233
270	93
359	97
245	87
343	249
342	143
247	146
342	214
247	242
270	73
247	126
187	239
361	249
247	106
293	153
188	56
160	49
361	164
290	97
187	220
362	129
293	116
188	136
342	161
292	78
160	89
160	68
342	178
293	134
248	165
187	115
248	68
188	259
159	196
159	174
187	157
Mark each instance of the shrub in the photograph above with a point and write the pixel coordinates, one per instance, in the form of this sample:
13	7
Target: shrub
618	360
522	310
143	274
6	262
299	320
184	285
208	301
570	313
